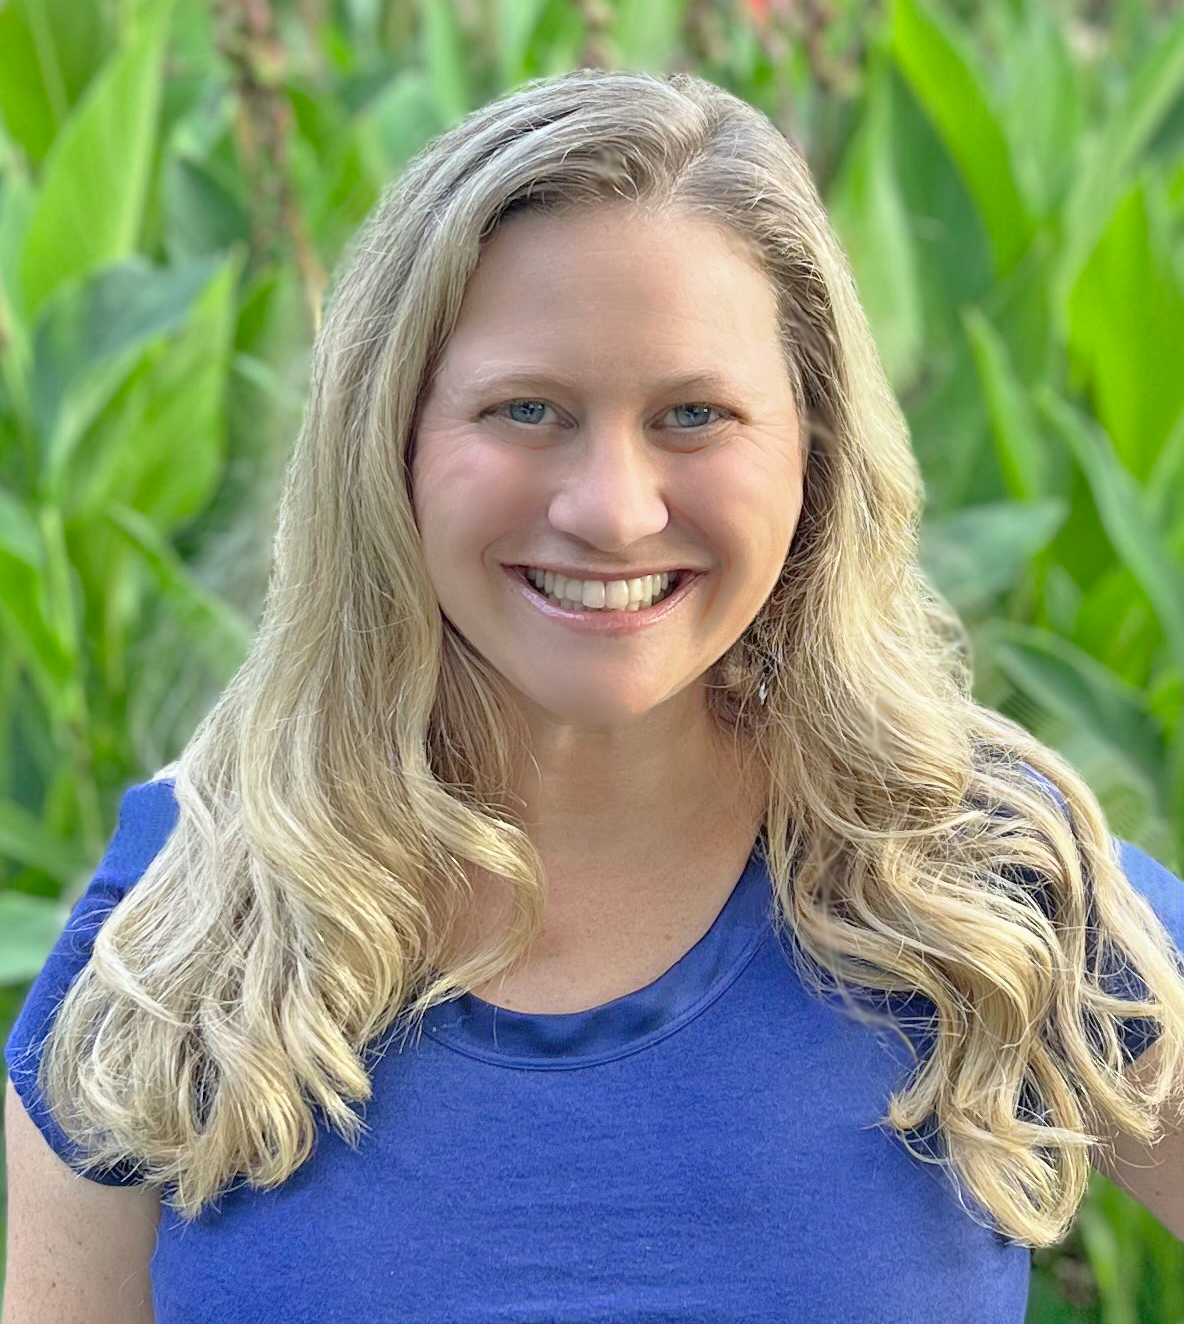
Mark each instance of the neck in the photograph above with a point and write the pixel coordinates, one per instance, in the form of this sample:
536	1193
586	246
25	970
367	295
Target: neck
601	800
643	835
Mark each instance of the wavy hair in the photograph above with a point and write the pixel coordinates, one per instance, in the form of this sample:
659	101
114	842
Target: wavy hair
333	801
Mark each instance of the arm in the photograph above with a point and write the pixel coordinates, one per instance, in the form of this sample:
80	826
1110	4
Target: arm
1152	1176
77	1250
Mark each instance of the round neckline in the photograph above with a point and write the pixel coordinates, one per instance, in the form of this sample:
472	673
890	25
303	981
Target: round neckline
561	1040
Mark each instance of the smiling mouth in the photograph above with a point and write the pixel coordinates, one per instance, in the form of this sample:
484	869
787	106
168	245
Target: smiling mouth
536	584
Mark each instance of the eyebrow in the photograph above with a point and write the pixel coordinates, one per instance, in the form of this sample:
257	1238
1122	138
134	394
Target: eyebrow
504	376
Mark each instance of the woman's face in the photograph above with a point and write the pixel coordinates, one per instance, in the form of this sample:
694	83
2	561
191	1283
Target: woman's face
612	402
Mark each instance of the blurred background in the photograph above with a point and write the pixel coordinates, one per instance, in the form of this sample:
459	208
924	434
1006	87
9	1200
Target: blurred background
178	180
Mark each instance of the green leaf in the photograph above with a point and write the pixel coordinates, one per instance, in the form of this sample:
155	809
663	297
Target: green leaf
515	23
1117	624
217	630
16	206
1079	690
1022	457
89	337
331	169
24	840
646	32
1042	106
955	265
1123	511
29	927
24	629
95	180
976	553
202	216
1154	90
444	60
1125	318
49	51
398	122
870	217
19	535
17	200
1165	487
158	445
942	71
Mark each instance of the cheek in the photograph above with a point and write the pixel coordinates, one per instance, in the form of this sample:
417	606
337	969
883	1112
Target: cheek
758	498
467	493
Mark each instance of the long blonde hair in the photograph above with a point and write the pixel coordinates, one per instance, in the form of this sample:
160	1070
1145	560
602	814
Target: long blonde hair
332	803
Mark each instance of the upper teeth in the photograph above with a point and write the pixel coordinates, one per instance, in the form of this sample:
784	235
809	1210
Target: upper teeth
615	594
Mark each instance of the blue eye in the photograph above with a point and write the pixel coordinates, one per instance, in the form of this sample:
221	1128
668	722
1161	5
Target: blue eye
708	408
542	404
511	404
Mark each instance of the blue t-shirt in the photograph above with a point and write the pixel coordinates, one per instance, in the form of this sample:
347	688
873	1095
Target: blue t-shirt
703	1149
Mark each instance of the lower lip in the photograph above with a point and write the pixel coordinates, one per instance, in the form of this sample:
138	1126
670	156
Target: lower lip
600	621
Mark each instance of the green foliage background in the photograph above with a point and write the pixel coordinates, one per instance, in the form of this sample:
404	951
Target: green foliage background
177	178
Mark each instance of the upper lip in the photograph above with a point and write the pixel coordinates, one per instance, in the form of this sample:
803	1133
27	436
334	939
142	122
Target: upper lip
608	575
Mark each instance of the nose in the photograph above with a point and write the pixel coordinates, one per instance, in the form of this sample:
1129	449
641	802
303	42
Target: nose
610	496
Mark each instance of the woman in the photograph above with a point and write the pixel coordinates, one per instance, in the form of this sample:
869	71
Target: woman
603	806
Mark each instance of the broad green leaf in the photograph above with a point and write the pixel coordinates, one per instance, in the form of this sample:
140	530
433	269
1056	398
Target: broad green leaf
19	535
217	630
942	70
954	261
331	171
23	629
870	217
559	38
515	23
1126	315
49	51
1042	106
1123	511
1118	625
158	445
949	410
1165	488
1113	1242
201	130
1062	597
16	206
95	180
24	840
59	592
398	122
29	927
646	32
1153	91
1020	447
17	199
88	338
1079	690
976	553
444	59
202	216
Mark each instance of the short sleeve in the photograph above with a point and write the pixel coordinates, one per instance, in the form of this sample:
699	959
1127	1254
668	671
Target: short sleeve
147	816
1165	894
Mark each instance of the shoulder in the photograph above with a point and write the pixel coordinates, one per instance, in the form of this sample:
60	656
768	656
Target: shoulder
147	817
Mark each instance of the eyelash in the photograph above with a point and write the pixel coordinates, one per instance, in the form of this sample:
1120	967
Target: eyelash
696	404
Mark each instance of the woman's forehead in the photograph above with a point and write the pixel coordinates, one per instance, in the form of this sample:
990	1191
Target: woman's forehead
676	293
